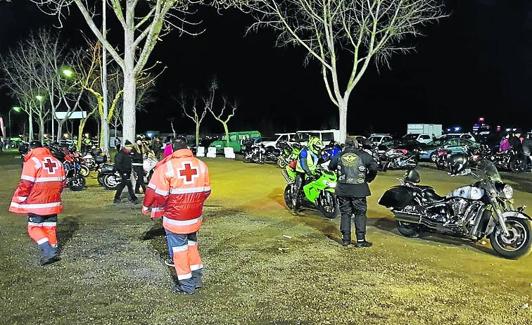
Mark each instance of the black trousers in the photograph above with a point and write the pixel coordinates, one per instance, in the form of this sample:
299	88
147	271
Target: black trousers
139	170
125	181
349	207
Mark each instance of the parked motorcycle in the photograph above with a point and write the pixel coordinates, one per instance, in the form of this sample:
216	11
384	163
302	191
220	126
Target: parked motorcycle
94	159
317	193
108	177
259	154
510	160
399	159
481	210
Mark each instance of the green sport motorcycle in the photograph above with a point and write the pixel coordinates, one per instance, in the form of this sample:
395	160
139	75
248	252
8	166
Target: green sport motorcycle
318	193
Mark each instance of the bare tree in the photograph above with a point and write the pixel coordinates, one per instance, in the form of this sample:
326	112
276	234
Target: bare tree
196	114
359	31
220	114
143	24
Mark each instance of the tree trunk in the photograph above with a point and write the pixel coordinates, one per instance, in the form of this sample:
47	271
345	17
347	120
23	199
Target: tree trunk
30	127
197	134
41	129
104	139
60	129
342	111
80	131
226	129
130	87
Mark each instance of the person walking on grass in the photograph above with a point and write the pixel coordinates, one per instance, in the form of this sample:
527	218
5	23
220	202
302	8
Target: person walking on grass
355	168
123	164
176	192
38	195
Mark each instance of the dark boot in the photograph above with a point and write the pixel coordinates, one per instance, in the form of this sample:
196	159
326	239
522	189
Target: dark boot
363	244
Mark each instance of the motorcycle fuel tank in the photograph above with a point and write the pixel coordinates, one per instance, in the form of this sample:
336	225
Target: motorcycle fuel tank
468	193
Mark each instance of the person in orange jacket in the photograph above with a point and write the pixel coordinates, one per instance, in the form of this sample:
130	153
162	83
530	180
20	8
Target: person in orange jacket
176	192
39	196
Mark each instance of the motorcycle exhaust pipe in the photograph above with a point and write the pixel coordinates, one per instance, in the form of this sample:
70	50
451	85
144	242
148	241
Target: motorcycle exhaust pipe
406	217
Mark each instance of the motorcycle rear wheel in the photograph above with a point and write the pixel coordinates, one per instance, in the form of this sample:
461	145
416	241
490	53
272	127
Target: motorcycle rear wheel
110	182
518	244
516	166
407	229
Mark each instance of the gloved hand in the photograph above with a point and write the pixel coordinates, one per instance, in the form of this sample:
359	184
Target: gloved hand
145	210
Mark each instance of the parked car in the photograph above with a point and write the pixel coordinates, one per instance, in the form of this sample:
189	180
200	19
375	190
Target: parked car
455	145
421	138
279	137
326	136
465	136
378	139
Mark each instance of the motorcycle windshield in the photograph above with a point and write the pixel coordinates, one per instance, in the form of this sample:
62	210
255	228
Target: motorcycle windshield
488	171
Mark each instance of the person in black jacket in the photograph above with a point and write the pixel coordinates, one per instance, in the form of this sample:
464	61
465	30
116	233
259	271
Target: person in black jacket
355	168
123	166
138	166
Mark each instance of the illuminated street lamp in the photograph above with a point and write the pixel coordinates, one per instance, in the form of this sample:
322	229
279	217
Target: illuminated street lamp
17	109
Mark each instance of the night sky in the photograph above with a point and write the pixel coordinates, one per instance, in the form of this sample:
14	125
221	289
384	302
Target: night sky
476	63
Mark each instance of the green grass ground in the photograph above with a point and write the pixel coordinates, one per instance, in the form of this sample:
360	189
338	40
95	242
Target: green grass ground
263	265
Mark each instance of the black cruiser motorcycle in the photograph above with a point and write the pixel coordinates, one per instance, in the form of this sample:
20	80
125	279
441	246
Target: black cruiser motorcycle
481	210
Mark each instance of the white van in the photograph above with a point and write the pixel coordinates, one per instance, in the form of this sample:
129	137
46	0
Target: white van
326	136
280	137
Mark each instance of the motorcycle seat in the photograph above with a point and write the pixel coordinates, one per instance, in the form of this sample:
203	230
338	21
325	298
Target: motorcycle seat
430	194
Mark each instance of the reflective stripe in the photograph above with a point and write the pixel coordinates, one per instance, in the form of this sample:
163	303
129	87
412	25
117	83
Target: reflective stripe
22	198
152	186
36	206
161	192
169	170
179	248
196	267
181	222
48	179
42	241
49	224
27	178
136	164
184	276
36	161
33	224
192	243
190	190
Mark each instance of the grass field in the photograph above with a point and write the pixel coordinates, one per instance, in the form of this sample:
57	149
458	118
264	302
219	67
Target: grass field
263	265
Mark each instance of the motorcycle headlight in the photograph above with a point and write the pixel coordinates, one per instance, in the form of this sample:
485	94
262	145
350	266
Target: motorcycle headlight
507	192
331	184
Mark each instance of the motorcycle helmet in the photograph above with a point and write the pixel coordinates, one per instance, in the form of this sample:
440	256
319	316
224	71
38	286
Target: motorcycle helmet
412	176
457	163
315	144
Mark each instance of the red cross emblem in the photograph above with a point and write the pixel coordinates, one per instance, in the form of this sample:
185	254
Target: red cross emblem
188	173
50	165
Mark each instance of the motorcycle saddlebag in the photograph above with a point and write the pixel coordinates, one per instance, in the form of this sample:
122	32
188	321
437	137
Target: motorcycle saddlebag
397	197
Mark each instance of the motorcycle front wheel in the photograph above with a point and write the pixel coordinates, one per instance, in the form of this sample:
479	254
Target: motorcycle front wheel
516	166
327	205
517	244
77	183
289	196
84	171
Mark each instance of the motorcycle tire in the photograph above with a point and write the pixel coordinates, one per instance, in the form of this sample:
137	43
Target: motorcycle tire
110	182
100	180
440	165
281	163
77	183
520	230
407	229
516	166
330	209
288	197
84	171
433	157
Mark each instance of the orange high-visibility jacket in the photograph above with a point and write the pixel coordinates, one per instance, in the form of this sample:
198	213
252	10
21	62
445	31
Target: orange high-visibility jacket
40	186
177	190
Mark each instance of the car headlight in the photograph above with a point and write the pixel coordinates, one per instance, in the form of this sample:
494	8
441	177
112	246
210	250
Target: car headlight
507	192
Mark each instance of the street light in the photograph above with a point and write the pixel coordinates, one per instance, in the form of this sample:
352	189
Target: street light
40	98
16	109
67	72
